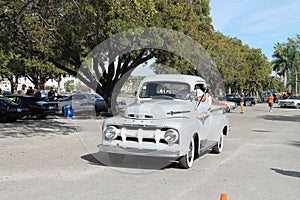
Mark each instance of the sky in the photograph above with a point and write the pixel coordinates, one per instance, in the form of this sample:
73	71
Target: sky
258	23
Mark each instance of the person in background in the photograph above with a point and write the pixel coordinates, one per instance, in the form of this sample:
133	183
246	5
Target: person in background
270	101
37	92
0	92
15	90
51	92
242	99
44	93
22	91
29	91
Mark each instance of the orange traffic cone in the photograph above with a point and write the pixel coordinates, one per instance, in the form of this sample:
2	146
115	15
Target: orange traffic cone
223	197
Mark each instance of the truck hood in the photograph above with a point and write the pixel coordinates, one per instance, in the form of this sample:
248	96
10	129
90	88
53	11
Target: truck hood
158	109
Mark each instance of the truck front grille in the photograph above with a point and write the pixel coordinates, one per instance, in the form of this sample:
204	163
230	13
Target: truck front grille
150	136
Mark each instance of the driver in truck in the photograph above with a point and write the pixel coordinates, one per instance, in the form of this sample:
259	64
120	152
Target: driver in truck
201	92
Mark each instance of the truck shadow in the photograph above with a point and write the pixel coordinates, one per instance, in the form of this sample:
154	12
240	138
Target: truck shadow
287	173
31	128
295	143
294	118
128	161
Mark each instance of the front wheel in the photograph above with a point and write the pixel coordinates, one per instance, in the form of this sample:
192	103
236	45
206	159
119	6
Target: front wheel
188	159
248	103
219	146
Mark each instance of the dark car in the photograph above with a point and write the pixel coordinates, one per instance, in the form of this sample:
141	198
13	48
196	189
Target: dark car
248	101
37	107
11	111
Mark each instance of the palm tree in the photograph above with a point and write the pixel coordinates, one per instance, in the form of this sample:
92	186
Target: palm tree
287	60
281	59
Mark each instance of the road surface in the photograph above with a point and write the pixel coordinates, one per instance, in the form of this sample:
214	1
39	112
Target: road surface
56	159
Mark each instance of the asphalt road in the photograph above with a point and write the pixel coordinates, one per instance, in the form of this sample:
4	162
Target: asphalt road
56	159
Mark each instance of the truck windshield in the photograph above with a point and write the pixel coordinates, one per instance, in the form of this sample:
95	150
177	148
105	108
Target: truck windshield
169	90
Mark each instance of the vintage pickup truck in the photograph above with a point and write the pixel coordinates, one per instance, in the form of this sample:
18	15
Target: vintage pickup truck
167	120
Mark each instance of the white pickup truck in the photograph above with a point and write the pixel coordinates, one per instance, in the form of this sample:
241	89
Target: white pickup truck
166	120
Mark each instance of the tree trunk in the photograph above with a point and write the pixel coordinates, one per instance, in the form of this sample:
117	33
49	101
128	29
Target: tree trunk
296	87
285	78
112	91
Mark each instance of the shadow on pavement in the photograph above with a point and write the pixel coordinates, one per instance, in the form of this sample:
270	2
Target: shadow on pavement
287	173
294	118
295	143
128	161
31	128
261	131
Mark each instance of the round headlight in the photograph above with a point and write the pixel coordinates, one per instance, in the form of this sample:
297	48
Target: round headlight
111	132
171	136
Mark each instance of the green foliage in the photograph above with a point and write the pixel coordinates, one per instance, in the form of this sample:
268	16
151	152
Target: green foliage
24	40
69	85
242	68
64	32
286	62
50	35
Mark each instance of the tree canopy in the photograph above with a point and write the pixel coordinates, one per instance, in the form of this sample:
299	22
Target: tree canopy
62	34
242	68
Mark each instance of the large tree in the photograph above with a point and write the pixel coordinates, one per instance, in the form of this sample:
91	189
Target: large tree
64	32
9	68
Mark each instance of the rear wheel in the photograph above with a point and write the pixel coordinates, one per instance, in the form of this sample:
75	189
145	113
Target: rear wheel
188	159
297	106
219	146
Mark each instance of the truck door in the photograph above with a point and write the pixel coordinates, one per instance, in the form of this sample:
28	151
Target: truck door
203	111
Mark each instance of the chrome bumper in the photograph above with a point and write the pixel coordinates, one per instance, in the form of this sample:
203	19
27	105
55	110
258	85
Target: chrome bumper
139	152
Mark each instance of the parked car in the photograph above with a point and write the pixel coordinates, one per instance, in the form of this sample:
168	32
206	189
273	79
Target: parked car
228	105
6	92
224	105
11	111
292	101
86	102
39	108
61	101
248	101
161	123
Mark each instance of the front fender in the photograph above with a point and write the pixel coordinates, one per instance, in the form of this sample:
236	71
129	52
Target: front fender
186	127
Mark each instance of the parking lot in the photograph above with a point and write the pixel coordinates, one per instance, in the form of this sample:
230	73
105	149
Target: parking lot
56	158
